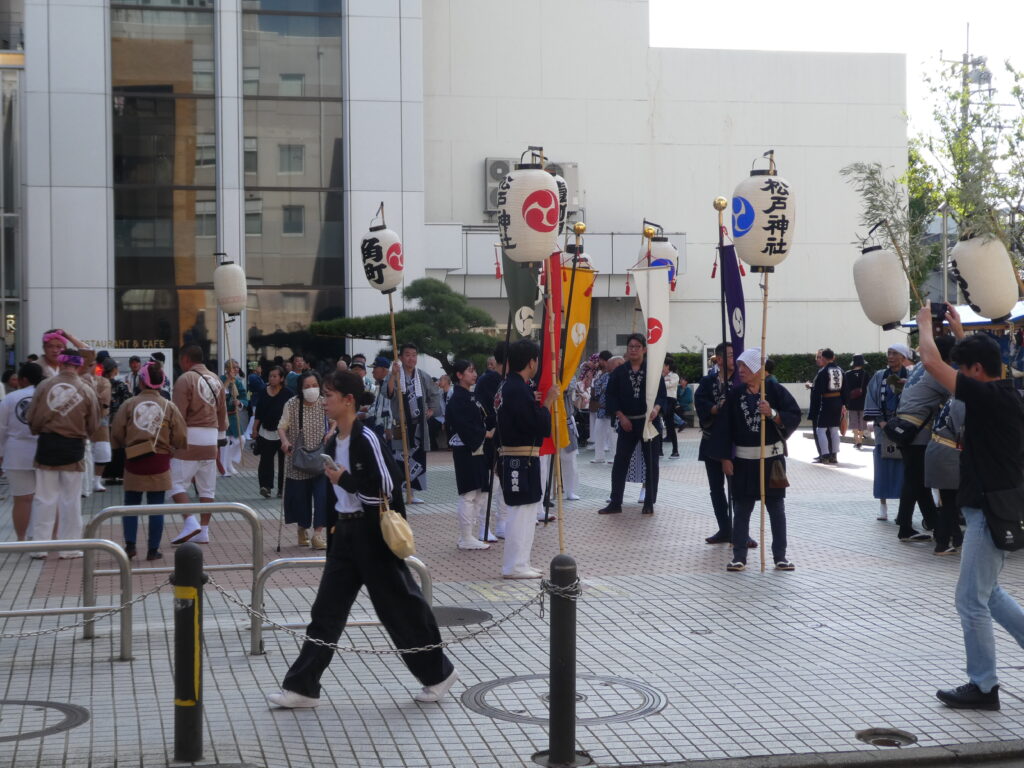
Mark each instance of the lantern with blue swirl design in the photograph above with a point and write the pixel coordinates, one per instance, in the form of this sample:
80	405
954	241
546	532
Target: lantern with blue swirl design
763	217
528	213
383	260
663	254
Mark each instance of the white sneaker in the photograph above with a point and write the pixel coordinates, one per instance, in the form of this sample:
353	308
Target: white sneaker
418	500
529	573
436	692
489	537
203	537
883	512
190	529
643	495
38	555
573	497
71	554
97	484
499	532
292	700
473	544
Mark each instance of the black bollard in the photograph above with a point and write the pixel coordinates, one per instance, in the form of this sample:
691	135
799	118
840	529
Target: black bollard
188	653
561	752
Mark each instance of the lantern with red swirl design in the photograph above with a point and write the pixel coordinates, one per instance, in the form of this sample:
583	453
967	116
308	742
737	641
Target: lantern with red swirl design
763	218
528	213
229	288
383	260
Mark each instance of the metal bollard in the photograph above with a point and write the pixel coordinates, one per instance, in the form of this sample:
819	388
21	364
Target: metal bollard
561	752
188	653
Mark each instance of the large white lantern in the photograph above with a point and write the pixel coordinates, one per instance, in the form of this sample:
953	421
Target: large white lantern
664	254
982	268
383	261
229	288
528	213
881	287
763	217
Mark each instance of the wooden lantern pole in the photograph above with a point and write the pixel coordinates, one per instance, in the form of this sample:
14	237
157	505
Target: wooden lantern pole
764	335
556	459
401	400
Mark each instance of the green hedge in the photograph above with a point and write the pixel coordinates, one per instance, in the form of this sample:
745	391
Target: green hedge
788	368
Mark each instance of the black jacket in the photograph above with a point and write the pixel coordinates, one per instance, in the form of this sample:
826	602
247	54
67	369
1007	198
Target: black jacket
372	471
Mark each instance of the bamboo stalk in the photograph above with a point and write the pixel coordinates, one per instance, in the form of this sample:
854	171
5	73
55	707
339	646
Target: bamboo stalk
903	263
401	402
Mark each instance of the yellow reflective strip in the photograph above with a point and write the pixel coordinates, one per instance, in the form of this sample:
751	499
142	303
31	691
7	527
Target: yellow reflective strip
184	703
191	593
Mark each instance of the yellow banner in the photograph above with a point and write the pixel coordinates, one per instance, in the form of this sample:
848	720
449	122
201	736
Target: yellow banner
577	294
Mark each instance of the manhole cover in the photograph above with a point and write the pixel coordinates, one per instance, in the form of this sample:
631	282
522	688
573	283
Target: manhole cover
31	719
886	737
524	699
453	616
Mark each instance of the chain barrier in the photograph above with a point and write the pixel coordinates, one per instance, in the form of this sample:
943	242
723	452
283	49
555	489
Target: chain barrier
84	621
572	592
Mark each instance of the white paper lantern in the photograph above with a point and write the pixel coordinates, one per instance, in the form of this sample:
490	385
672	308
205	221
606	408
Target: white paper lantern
983	270
881	287
763	217
383	260
229	288
663	253
528	214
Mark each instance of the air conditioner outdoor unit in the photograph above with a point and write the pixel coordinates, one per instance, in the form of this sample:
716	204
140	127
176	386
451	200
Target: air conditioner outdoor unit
569	171
495	169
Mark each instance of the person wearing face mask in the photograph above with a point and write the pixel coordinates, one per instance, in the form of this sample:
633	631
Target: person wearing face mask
466	420
362	475
304	425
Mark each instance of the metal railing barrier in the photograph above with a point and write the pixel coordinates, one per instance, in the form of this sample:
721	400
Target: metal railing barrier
257	627
88	546
147	510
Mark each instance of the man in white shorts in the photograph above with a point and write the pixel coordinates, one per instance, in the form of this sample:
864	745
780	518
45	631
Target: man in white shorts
199	395
18	446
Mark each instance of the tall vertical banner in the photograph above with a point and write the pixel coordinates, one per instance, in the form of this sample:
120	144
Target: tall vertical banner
652	289
552	320
735	307
578	292
521	286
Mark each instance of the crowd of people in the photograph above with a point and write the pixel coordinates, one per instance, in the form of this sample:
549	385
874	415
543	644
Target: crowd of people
338	444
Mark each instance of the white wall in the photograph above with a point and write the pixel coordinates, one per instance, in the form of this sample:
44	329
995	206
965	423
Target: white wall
658	133
68	169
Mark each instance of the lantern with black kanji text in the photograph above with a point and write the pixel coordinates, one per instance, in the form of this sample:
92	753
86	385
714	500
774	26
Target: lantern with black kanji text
528	213
881	286
229	288
763	219
983	269
383	261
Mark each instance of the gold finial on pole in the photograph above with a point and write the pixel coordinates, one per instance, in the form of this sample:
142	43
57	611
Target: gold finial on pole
579	228
720	203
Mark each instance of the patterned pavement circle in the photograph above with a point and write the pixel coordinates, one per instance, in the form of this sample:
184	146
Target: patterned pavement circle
605	699
36	715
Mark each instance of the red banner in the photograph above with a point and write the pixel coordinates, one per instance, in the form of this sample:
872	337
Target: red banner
551	351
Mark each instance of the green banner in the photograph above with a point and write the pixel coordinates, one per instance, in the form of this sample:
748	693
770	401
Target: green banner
521	286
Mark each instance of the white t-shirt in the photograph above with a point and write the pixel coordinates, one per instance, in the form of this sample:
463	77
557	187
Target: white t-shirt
347	502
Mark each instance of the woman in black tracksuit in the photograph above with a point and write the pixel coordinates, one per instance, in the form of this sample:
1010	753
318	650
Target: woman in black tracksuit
358	556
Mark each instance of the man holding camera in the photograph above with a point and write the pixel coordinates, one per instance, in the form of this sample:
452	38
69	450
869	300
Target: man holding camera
992	460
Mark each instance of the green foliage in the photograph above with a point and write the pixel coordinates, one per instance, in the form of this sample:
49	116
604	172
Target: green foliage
906	204
443	325
789	369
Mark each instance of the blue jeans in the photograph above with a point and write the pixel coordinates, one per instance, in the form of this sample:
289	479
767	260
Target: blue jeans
979	599
156	522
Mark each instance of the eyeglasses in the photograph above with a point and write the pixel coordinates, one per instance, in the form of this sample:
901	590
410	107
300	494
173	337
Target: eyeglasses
634	346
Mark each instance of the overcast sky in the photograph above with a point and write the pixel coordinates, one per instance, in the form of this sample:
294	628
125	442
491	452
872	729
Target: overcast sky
920	30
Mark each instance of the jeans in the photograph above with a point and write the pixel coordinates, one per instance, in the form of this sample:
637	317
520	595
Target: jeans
156	522
979	599
719	502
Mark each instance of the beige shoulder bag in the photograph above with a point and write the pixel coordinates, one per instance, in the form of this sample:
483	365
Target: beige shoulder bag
396	530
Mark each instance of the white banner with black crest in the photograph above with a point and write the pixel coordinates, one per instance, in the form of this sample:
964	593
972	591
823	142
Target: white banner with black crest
652	289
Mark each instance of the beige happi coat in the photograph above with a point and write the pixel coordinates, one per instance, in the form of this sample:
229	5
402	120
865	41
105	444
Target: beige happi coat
152	420
65	405
199	396
103	392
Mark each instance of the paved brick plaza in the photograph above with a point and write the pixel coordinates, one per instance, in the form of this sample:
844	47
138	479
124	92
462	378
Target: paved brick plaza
726	665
